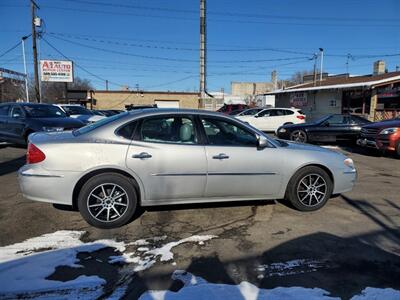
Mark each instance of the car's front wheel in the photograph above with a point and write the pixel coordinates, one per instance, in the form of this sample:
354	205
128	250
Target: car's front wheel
107	200
299	136
309	189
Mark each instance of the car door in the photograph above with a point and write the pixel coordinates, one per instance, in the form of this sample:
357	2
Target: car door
16	123
4	109
334	128
236	168
167	157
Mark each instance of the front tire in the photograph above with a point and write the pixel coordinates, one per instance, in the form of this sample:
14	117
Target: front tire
309	189
299	136
108	200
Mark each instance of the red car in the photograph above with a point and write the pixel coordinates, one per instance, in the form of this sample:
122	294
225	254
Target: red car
228	108
383	136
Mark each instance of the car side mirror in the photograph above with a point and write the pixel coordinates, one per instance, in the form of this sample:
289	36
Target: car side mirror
262	142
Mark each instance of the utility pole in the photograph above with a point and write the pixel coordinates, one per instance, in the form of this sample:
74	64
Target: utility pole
202	52
26	74
349	56
34	6
106	85
321	51
315	68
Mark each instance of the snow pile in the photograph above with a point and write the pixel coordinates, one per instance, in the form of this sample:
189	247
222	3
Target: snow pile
376	294
196	288
150	250
25	266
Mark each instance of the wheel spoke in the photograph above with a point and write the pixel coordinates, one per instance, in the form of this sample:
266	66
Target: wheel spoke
321	185
309	202
108	214
116	211
118	196
96	205
104	191
112	191
322	193
100	212
97	197
302	182
118	203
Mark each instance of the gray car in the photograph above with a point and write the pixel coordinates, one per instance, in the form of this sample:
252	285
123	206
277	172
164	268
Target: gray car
169	156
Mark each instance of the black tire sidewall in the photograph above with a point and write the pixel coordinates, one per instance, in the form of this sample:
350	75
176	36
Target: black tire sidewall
126	183
291	192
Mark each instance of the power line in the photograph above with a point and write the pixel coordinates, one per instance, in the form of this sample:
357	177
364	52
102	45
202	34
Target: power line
79	66
11	49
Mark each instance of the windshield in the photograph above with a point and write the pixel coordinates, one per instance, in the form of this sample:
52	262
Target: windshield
76	110
98	124
43	111
321	119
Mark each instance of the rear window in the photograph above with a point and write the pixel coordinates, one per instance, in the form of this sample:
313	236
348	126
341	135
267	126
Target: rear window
289	112
98	124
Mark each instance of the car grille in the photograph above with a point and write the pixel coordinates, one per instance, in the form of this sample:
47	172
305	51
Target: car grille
369	132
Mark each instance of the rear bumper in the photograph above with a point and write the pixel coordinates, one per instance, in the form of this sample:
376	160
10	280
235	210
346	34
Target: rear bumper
44	186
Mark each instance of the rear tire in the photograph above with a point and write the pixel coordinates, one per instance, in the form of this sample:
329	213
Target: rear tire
108	200
309	189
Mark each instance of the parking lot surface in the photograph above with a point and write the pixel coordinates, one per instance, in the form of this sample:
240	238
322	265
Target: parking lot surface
350	244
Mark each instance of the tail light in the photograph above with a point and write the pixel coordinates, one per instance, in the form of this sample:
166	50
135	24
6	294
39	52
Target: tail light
34	155
300	117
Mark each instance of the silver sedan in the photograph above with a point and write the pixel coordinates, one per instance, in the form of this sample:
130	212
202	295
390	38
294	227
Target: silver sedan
168	156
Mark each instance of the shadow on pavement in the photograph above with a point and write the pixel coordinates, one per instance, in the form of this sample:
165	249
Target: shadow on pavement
11	166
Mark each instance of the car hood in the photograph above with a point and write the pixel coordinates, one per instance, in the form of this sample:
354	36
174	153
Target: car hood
384	124
59	122
300	125
307	147
88	118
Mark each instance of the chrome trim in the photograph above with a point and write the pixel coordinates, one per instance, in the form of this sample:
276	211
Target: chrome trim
179	174
222	173
41	175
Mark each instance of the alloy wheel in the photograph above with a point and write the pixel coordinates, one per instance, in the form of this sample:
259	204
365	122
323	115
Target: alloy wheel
298	136
311	190
107	202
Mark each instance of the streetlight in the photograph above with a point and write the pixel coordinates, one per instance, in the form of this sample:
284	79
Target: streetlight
321	50
25	71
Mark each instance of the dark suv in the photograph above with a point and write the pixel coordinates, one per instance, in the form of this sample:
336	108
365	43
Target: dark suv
18	120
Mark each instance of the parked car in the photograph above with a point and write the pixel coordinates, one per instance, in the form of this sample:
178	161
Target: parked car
79	112
174	156
18	120
109	112
246	112
330	128
270	119
384	136
228	108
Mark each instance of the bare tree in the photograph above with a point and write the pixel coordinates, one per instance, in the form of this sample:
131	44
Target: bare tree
297	77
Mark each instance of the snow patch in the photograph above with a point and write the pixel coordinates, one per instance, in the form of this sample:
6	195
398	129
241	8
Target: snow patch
374	294
292	267
196	288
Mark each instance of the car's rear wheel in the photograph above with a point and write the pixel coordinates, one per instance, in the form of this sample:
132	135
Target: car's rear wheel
299	136
309	189
108	200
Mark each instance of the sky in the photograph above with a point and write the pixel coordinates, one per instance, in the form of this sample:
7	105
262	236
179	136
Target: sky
154	44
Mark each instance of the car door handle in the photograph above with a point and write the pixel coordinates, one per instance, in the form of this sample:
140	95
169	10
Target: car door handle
142	155
221	156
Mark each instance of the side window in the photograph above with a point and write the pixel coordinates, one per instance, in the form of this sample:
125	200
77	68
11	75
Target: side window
289	112
223	133
16	112
127	130
336	119
172	130
4	110
265	113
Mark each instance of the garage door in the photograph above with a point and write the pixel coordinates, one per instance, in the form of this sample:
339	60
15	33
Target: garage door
167	103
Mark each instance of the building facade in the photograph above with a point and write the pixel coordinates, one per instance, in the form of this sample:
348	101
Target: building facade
103	99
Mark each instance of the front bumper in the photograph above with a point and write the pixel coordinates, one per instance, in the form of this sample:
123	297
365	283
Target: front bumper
345	182
381	142
41	185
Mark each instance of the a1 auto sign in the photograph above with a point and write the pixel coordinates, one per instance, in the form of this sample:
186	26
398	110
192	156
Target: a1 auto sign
56	71
298	99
